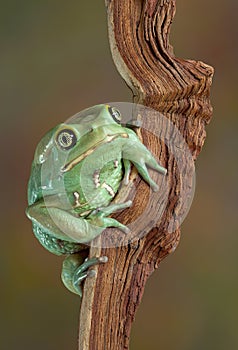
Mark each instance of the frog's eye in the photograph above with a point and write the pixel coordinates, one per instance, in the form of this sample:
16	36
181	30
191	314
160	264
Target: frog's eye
115	113
66	139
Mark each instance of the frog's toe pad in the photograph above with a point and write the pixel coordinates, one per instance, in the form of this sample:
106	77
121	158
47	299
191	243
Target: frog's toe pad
91	273
155	187
103	259
126	230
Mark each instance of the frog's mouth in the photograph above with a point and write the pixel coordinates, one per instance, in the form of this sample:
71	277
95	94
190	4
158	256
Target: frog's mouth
75	161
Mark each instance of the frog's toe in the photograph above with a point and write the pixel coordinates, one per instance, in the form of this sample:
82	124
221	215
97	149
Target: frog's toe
155	187
74	274
103	259
91	273
82	272
126	230
110	222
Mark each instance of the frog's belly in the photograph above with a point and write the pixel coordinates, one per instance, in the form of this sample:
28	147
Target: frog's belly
101	190
55	245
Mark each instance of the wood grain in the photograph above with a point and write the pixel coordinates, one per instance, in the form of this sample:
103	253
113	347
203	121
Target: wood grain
178	89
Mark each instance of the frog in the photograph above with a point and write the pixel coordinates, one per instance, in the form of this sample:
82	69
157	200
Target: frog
78	169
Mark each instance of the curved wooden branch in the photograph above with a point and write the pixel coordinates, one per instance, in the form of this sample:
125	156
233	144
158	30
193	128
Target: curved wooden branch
179	89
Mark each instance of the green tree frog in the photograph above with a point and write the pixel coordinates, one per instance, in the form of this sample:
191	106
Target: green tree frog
77	171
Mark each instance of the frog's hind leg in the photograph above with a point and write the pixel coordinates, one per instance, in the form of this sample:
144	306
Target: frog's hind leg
75	271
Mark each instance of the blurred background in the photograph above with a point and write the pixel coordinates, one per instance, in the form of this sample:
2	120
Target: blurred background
54	62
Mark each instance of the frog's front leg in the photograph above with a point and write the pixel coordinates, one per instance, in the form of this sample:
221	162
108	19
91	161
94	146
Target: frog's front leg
75	270
100	216
141	157
127	171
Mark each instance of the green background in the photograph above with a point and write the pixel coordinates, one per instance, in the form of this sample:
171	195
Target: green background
54	62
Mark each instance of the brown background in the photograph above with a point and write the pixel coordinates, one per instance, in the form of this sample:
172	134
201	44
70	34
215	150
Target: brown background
54	62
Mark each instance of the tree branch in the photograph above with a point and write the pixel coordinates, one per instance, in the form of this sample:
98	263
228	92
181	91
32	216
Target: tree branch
179	89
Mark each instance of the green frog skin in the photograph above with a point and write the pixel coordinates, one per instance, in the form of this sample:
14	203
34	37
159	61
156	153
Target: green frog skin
77	171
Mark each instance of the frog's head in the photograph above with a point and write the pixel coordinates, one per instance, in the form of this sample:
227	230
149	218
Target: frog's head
67	144
102	115
64	145
65	136
94	117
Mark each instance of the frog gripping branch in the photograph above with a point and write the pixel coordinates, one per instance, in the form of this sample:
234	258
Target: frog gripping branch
77	182
78	169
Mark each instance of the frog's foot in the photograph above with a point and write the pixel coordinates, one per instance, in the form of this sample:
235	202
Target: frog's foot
74	271
143	171
105	211
139	155
99	216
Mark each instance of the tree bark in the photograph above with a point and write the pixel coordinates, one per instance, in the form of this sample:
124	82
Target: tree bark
179	89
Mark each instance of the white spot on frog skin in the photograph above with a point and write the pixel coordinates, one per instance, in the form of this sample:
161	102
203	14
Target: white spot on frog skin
103	259
109	189
96	178
116	163
77	199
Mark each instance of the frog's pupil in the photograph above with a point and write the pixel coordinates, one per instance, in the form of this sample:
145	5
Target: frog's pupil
65	139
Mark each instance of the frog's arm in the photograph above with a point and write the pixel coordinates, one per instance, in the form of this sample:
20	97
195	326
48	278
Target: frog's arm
130	149
63	225
134	151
